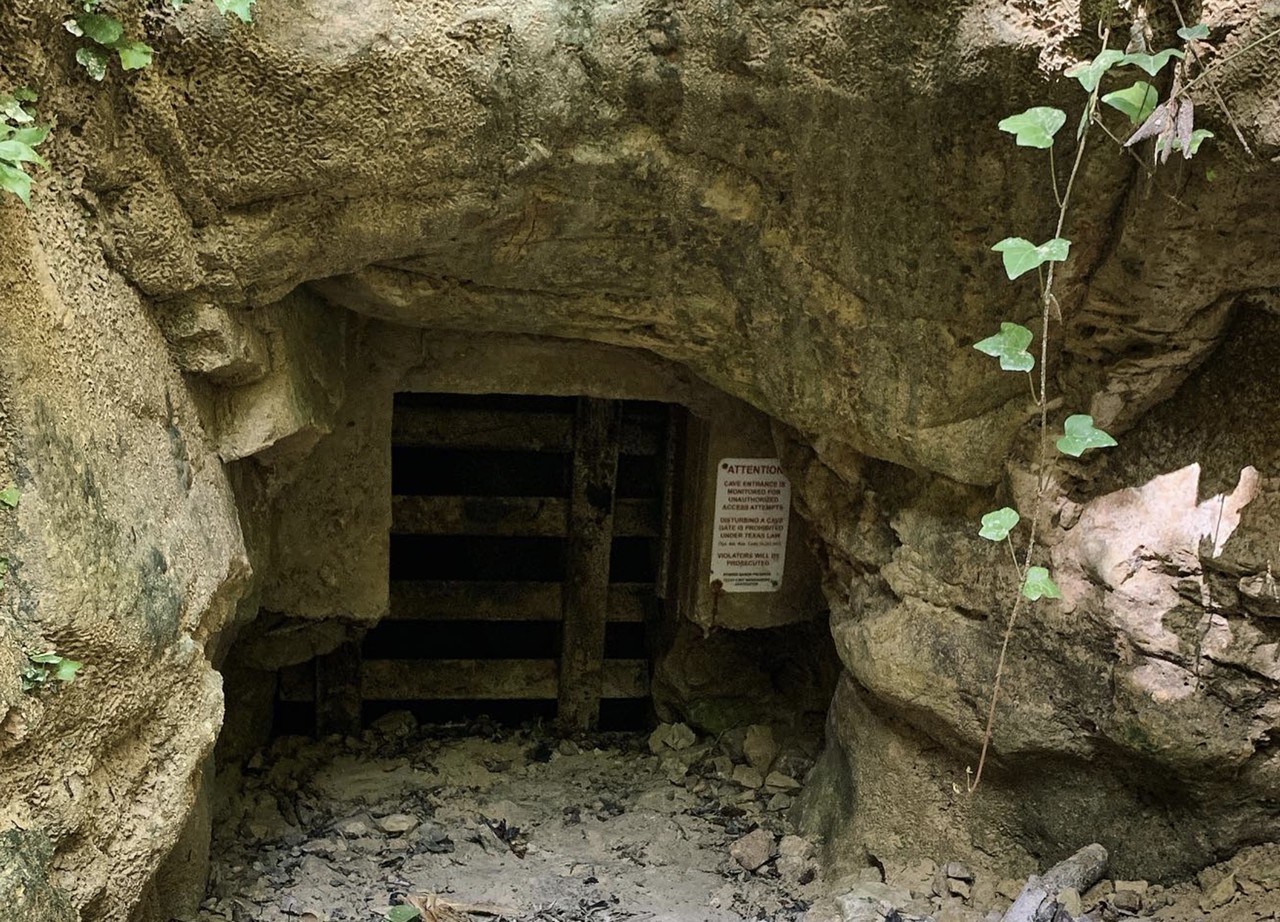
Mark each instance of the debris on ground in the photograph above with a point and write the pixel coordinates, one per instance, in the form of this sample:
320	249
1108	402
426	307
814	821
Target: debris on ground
463	823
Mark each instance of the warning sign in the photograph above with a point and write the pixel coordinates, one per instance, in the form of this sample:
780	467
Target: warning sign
753	506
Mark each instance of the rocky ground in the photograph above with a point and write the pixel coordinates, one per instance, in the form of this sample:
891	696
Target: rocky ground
474	822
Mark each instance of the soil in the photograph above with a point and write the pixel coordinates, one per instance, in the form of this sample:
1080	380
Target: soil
472	822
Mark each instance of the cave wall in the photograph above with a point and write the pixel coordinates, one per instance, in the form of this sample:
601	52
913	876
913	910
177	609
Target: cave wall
794	205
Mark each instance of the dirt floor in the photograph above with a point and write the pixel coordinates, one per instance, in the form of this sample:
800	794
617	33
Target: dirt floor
464	823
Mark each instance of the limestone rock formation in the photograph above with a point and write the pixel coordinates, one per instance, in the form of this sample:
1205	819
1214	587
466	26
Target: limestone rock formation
791	203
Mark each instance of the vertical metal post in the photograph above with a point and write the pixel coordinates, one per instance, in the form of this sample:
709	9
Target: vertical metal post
597	433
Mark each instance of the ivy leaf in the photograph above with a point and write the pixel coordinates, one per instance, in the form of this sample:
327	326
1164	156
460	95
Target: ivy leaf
17	152
1152	63
402	914
1021	255
1137	101
1198	137
997	525
11	108
1081	435
1089	73
32	137
105	30
133	55
67	669
94	60
16	181
1198	31
25	94
1010	347
1035	127
10	497
1039	585
241	8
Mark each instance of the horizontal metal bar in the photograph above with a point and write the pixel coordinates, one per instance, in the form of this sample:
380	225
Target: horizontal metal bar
504	430
473	680
438	600
521	516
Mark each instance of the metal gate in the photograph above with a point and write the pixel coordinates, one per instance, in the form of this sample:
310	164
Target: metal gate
529	541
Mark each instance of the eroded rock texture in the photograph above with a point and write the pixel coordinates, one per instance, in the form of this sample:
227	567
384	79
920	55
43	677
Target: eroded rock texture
793	202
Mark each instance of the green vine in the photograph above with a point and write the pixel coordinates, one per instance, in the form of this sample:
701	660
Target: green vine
19	138
1171	124
103	39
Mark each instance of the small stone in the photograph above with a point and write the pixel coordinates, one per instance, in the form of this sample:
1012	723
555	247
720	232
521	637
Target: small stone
398	823
671	737
1221	894
1096	894
396	724
779	803
753	850
795	847
747	776
1069	899
1139	887
777	781
959	888
353	827
759	747
675	770
1126	900
568	748
956	870
1009	888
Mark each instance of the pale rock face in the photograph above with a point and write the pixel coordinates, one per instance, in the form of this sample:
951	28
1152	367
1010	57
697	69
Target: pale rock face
794	204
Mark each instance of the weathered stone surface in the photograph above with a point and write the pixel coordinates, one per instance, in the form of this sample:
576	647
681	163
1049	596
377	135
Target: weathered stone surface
26	894
795	206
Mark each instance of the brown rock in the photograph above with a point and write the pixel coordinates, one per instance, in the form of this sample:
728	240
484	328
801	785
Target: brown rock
753	850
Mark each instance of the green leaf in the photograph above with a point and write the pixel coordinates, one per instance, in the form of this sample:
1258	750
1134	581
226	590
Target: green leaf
16	181
1089	73
10	497
1198	137
133	55
1021	256
105	30
1039	585
1010	347
17	152
12	109
241	8
94	60
1198	31
997	525
1081	435
32	137
1152	63
49	658
1035	127
25	94
67	669
1137	101
402	914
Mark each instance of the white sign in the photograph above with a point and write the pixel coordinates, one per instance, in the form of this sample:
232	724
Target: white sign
753	506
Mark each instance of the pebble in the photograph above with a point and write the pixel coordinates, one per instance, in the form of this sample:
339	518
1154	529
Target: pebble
1221	894
671	737
780	782
1126	900
759	747
747	776
1069	899
398	823
753	850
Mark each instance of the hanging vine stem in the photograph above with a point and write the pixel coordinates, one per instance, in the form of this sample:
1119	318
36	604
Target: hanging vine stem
1047	303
